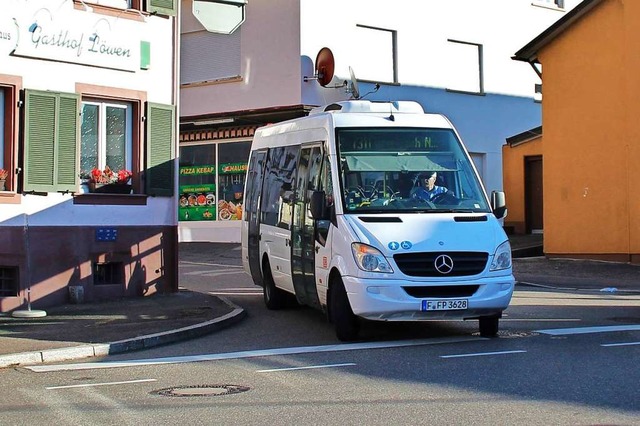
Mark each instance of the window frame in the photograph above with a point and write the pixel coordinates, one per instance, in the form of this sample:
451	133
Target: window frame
102	130
11	87
394	53
480	48
137	100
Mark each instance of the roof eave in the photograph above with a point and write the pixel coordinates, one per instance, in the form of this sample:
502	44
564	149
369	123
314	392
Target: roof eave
529	53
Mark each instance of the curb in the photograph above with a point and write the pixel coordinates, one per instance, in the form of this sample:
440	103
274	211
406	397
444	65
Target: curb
127	345
584	290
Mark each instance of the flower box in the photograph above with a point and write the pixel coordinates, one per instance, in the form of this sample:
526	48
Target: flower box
109	188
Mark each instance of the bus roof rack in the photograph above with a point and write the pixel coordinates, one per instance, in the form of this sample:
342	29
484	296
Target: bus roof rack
360	106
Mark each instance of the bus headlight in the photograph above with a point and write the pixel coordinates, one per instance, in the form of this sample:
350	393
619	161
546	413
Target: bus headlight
502	257
370	259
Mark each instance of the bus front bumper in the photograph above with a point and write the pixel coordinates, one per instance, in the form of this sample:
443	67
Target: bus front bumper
386	300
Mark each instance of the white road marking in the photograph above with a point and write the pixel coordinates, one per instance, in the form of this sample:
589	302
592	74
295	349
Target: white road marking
482	354
212	273
307	367
250	354
587	330
185	263
609	345
237	293
540	319
88	385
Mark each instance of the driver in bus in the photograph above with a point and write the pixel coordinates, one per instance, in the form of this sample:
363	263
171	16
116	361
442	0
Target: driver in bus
428	189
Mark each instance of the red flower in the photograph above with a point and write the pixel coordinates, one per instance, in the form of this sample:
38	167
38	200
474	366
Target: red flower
124	176
109	176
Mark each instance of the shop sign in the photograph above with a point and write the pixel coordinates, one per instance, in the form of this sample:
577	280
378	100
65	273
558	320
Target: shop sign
8	34
228	168
197	170
79	37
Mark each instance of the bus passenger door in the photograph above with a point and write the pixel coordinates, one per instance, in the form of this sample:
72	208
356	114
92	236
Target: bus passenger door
252	213
303	227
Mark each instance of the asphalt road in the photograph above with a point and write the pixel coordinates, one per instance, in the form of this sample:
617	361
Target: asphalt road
553	363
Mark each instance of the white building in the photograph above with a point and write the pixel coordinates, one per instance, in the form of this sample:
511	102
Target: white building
452	56
85	85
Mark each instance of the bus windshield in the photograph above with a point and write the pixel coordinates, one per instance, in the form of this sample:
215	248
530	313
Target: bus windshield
406	170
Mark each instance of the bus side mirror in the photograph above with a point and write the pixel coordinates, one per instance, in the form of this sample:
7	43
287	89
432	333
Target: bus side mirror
498	204
317	205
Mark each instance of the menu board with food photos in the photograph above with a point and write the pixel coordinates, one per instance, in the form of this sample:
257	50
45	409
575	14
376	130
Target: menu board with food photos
197	202
197	199
231	189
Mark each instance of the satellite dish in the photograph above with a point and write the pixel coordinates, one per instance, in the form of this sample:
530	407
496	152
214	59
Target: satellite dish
353	86
325	66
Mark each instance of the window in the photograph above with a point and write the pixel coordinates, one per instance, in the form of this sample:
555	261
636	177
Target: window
8	281
232	169
106	136
162	7
108	273
277	194
58	139
222	60
376	54
212	181
3	149
465	67
8	133
120	4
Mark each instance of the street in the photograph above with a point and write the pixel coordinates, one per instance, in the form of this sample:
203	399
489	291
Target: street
560	358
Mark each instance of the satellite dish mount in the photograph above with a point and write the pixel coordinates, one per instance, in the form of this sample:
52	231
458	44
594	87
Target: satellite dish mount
352	87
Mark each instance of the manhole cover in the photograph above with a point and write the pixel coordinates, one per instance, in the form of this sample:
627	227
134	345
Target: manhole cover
201	390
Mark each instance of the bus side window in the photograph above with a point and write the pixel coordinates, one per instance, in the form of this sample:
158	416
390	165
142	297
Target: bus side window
326	185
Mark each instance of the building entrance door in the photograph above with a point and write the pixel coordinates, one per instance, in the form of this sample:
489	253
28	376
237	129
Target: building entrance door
533	194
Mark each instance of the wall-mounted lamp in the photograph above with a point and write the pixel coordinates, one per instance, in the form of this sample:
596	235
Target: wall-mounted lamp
35	25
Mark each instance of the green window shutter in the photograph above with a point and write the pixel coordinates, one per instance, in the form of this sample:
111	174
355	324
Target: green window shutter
162	7
68	126
51	126
160	129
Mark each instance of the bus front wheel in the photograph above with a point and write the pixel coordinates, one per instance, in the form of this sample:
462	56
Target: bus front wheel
342	317
488	326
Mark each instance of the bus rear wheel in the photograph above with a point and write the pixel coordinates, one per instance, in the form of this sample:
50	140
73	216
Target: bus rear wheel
342	317
488	326
274	298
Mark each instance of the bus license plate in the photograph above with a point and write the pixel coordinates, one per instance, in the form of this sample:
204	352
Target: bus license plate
444	305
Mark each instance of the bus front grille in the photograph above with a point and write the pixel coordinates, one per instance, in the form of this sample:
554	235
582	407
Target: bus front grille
441	264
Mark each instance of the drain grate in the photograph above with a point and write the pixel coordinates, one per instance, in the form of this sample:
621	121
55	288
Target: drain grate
201	390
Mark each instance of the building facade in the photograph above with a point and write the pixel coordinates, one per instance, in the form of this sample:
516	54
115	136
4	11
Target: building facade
88	106
452	56
590	143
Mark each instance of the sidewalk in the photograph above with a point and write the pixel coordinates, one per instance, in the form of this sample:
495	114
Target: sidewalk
97	329
104	328
531	268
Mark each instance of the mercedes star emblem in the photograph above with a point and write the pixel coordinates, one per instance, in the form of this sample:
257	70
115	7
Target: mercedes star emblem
443	264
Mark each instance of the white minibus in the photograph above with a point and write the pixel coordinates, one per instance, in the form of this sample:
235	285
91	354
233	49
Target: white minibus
374	210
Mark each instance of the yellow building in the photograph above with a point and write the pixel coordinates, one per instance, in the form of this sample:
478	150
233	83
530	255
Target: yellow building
591	144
